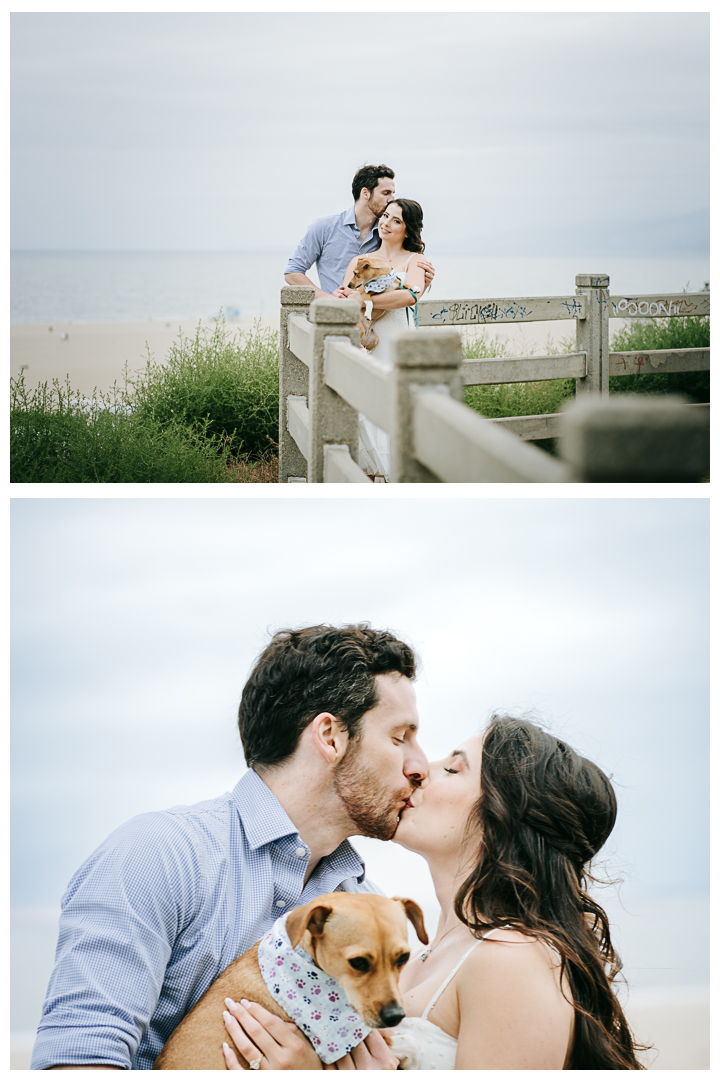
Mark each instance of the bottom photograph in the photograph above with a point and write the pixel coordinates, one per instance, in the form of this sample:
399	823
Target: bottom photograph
360	784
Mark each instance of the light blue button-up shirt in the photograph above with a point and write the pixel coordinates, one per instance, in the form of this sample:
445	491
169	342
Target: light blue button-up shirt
161	908
331	243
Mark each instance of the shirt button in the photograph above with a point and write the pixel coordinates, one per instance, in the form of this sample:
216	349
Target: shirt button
280	903
301	852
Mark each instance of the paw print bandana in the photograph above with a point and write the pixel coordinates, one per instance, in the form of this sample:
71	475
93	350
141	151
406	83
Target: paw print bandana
315	1001
380	284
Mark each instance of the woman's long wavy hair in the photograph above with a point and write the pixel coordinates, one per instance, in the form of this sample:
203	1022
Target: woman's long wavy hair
543	813
412	216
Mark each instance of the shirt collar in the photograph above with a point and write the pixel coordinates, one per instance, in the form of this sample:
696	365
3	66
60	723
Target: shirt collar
349	219
265	821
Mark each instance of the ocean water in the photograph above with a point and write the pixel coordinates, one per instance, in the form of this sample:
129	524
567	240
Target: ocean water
114	286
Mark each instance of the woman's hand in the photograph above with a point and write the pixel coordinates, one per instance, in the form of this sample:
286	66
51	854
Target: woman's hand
344	293
259	1035
372	1053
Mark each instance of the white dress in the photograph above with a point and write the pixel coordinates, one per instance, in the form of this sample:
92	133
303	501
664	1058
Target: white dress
374	443
423	1044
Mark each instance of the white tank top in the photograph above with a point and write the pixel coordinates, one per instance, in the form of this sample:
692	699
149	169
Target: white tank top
423	1043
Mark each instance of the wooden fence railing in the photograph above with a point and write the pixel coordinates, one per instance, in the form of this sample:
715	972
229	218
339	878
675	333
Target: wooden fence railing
325	380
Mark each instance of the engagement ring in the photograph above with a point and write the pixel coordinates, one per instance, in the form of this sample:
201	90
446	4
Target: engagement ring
256	1063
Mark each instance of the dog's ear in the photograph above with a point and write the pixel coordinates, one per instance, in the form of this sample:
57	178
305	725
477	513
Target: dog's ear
415	915
312	917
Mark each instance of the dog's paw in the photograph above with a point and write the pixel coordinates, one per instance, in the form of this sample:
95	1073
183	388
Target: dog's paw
405	1050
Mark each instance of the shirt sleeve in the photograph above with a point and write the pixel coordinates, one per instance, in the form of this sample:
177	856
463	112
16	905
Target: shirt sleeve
308	250
121	915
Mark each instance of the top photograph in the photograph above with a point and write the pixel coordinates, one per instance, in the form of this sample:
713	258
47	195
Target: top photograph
312	248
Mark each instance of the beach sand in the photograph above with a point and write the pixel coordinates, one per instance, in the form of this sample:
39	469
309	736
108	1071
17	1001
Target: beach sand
675	1021
93	354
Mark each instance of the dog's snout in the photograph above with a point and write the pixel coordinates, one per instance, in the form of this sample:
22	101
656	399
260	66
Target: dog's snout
391	1014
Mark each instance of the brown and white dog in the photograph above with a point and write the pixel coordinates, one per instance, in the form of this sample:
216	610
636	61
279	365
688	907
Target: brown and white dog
367	269
358	939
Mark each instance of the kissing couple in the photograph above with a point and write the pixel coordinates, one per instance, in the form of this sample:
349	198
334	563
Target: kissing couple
519	974
389	229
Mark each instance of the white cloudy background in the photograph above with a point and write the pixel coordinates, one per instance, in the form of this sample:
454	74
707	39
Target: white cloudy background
520	133
136	621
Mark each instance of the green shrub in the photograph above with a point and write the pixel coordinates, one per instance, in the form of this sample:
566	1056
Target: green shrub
228	383
57	436
513	399
691	332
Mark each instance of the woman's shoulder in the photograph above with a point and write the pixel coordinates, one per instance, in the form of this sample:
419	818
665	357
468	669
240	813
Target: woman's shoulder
510	954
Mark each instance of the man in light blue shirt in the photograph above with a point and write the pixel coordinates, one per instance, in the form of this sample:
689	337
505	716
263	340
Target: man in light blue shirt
328	724
332	242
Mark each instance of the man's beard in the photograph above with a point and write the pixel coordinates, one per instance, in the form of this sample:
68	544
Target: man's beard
378	208
371	807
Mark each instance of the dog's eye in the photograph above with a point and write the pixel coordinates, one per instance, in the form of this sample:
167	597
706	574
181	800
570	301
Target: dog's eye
359	963
402	960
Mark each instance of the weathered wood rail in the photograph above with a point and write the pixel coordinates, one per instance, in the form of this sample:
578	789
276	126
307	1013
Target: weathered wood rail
325	380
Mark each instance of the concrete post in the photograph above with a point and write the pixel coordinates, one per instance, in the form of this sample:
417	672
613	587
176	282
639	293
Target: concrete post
641	439
430	358
332	419
593	333
294	380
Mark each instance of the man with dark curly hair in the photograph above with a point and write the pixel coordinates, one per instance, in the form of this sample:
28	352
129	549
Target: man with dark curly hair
331	242
328	724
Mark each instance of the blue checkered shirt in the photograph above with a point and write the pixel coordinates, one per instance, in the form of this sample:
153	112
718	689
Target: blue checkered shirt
160	910
331	243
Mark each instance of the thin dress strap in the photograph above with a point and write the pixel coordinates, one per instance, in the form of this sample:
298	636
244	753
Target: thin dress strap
455	970
408	262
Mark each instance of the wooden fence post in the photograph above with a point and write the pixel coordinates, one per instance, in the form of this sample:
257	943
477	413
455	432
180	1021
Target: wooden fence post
332	419
430	358
294	381
636	438
593	333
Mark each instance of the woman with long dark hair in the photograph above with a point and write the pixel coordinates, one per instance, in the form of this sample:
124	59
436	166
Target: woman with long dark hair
400	228
520	974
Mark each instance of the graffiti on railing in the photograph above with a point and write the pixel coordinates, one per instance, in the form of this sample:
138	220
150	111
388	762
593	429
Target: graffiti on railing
634	306
637	361
574	308
474	312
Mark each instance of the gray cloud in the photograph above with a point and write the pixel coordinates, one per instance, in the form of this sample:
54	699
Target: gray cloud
518	132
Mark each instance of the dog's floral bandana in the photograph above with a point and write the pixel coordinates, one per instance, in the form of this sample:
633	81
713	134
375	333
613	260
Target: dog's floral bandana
315	1001
380	284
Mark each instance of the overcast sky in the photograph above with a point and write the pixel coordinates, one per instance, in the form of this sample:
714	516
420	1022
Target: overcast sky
548	134
135	623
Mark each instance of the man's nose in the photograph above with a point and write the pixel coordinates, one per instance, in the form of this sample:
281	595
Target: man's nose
416	766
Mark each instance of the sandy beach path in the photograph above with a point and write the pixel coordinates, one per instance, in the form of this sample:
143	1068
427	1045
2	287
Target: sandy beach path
94	354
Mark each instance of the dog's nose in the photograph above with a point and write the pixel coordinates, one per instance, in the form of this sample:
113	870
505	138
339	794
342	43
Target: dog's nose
391	1014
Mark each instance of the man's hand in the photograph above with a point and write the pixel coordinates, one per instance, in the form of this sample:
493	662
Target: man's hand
258	1034
428	268
372	1053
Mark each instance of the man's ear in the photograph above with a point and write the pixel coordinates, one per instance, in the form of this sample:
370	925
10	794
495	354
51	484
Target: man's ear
329	737
312	917
415	915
